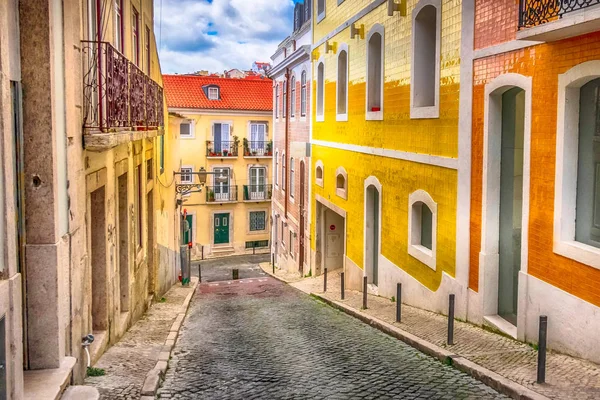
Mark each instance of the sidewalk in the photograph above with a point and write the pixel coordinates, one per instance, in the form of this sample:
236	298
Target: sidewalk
130	363
504	360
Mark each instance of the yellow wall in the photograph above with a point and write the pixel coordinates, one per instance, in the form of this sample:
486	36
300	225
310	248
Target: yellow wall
397	131
192	153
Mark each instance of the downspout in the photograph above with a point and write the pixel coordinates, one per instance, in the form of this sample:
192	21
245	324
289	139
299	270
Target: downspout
287	141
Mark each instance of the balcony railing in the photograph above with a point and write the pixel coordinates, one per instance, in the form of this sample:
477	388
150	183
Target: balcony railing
536	12
221	194
258	192
221	149
117	94
258	149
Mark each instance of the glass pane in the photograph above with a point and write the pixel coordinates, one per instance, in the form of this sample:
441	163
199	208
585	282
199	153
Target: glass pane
426	226
217	221
224	221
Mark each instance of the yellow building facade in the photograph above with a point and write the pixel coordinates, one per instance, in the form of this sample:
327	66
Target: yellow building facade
385	145
230	137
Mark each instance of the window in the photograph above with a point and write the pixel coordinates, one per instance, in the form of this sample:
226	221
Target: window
186	178
284	102
277	101
135	32
293	98
319	173
258	220
257	243
341	182
138	205
425	77
292	245
148	58
283	172
258	183
119	25
277	168
149	170
282	234
213	93
186	129
292	177
320	10
320	91
375	73
257	139
162	154
342	84
222	146
303	94
422	228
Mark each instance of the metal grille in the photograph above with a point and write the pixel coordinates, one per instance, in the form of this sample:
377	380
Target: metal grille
537	12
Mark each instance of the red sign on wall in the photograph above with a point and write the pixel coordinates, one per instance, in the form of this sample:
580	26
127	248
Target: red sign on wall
332	227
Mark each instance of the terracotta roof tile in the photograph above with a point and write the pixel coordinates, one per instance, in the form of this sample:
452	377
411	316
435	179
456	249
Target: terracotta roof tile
185	91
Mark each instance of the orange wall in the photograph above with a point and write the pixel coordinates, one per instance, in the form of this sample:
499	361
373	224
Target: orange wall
544	63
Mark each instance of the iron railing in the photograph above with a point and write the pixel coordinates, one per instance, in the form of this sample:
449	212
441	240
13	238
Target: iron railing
221	149
116	93
536	12
258	192
221	194
258	148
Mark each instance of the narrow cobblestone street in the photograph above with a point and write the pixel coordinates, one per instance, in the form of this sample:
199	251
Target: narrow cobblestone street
257	338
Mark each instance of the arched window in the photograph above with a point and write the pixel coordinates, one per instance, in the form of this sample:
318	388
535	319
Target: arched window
277	101
284	102
293	98
375	64
277	168
320	91
283	172
303	94
342	83
425	76
319	173
292	177
422	228
341	183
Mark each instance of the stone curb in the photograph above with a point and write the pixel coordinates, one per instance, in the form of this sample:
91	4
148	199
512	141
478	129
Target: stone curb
488	377
272	275
155	375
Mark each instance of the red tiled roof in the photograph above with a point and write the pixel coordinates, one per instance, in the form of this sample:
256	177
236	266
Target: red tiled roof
185	91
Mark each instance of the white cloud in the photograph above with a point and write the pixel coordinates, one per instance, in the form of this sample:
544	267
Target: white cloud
222	34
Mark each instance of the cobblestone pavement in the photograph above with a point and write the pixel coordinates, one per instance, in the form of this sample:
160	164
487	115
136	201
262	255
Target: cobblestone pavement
128	361
220	269
566	377
258	338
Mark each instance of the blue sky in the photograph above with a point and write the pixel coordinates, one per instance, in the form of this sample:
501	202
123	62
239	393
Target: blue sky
217	35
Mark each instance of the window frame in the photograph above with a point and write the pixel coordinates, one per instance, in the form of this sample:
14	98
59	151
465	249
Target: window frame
184	174
284	99
277	101
424	112
293	97
321	15
283	173
276	168
292	177
342	116
250	221
319	181
341	192
211	91
148	52
192	134
375	115
303	94
415	202
320	91
119	25
135	35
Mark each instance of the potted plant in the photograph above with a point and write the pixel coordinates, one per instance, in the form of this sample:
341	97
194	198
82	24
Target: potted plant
236	144
225	152
211	195
246	147
269	148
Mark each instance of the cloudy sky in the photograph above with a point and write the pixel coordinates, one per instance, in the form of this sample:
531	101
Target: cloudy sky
217	35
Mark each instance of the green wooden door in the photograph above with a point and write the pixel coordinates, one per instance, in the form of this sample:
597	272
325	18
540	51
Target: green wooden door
187	230
221	224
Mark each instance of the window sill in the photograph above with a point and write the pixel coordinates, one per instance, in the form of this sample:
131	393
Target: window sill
321	17
292	199
580	252
320	118
341	193
341	117
187	137
424	112
422	254
319	182
374	116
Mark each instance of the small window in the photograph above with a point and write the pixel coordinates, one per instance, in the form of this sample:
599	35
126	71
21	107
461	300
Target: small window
213	93
422	228
284	102
341	183
277	168
282	234
148	55
319	173
426	60
135	32
257	220
303	94
277	101
283	172
342	85
375	73
291	177
186	176
186	129
291	245
320	91
320	10
293	98
149	170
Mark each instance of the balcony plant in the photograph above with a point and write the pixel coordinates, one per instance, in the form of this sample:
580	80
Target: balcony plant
236	145
246	147
225	152
211	195
269	148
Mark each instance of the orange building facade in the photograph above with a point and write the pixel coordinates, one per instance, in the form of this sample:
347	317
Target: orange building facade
534	245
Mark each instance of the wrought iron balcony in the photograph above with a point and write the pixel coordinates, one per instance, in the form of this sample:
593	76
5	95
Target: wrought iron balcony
221	149
221	194
258	148
258	192
536	12
117	95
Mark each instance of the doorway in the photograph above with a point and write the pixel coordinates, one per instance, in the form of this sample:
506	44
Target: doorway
302	216
331	237
511	202
372	234
98	250
123	242
151	267
221	228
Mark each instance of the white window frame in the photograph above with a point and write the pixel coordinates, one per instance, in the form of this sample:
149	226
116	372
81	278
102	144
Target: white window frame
276	168
567	153
277	101
283	172
415	249
320	92
186	168
423	112
343	116
341	192
192	134
303	93
293	98
292	243
320	15
375	115
211	92
319	181
250	230
292	177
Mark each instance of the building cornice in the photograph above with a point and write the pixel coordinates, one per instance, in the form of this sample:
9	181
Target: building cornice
198	111
300	55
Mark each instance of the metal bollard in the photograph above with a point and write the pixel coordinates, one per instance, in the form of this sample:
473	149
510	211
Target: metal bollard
364	293
451	320
200	273
343	284
235	274
541	367
325	280
273	262
398	302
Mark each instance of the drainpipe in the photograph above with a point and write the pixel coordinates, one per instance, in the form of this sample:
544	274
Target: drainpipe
287	140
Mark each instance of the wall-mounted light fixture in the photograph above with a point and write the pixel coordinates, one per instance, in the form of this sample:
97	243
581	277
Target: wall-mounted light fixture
357	30
393	6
